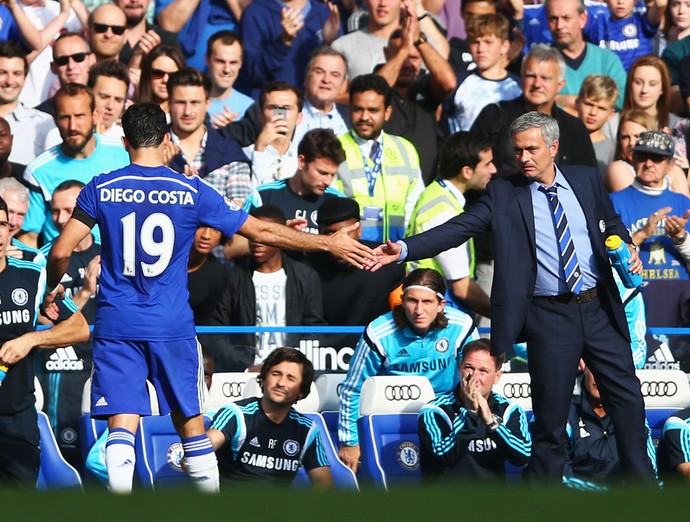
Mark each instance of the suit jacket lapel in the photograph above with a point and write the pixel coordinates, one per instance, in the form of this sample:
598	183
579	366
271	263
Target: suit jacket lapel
523	196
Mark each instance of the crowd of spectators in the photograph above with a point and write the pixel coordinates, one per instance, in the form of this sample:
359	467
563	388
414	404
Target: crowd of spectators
393	114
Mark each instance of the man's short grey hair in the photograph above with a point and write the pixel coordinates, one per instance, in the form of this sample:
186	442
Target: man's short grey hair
531	120
545	53
580	5
12	185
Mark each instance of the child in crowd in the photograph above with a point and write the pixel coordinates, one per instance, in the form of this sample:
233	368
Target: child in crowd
595	104
628	30
490	82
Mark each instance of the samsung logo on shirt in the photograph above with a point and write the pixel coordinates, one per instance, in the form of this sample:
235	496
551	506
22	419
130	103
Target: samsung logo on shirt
155	197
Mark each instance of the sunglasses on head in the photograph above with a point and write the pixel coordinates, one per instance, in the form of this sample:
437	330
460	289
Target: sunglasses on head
119	30
61	61
158	74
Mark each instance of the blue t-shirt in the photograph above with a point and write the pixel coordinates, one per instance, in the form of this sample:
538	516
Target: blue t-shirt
660	258
148	217
236	102
629	38
52	167
8	27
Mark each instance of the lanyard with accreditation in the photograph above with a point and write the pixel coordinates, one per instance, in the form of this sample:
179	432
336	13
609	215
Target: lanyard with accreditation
375	155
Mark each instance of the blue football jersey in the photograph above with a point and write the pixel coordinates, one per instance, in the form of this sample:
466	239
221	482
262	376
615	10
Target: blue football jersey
148	217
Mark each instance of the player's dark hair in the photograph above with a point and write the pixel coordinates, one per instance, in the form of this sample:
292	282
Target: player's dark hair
461	150
3	207
280	86
189	77
321	143
433	281
73	90
14	50
144	125
483	345
371	82
109	69
269	213
225	37
69	184
280	355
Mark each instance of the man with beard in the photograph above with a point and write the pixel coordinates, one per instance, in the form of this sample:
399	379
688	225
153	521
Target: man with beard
141	36
381	170
81	156
416	94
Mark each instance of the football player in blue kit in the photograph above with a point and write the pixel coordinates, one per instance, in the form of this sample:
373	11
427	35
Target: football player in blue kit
144	327
265	439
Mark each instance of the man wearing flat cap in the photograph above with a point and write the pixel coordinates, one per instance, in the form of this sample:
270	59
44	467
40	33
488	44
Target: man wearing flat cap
657	219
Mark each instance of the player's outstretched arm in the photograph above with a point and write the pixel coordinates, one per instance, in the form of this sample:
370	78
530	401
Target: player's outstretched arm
387	253
71	331
339	244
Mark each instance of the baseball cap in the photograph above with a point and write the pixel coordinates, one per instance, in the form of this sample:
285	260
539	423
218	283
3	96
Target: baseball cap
655	142
337	209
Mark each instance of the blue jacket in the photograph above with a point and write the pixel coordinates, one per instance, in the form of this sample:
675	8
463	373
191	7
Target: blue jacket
387	349
266	57
219	151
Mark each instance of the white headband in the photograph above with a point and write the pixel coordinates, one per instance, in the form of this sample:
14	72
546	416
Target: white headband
420	287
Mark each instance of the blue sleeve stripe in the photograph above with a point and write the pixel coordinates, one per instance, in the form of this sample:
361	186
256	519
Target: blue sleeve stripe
349	395
521	444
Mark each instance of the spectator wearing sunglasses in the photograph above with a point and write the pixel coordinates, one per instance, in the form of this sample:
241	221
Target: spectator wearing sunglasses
72	60
156	68
106	31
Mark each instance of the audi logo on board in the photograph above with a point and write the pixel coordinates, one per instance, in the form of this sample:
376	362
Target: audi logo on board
404	392
516	390
337	389
659	388
232	389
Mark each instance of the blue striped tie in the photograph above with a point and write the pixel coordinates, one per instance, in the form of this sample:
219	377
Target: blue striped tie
571	268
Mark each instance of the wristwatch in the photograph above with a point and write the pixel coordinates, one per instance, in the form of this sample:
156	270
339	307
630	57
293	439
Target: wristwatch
496	421
422	39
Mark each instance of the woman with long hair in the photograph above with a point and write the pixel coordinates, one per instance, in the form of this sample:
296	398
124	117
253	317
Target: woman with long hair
156	68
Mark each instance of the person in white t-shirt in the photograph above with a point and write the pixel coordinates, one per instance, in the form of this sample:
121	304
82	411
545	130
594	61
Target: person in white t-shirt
267	288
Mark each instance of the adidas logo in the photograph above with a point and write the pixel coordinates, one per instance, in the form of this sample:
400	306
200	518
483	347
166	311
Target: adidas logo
101	402
662	359
126	463
255	442
64	359
403	353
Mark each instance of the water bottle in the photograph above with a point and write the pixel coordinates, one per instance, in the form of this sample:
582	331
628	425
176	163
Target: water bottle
3	373
620	255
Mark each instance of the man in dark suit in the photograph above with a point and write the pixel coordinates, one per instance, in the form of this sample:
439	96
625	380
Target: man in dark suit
563	310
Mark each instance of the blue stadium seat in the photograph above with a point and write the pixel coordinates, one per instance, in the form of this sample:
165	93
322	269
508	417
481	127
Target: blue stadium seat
390	449
159	453
54	472
388	428
343	477
89	431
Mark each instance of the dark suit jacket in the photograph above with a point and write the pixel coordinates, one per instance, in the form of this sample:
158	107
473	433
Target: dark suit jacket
506	209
